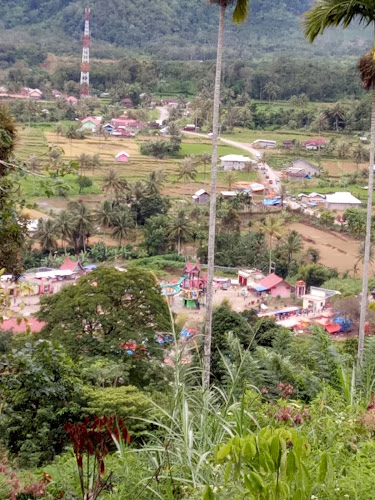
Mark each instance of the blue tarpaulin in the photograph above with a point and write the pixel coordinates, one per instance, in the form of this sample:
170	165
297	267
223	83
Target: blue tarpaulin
260	288
272	202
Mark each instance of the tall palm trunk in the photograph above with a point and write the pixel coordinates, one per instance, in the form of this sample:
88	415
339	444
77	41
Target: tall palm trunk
212	221
270	267
366	261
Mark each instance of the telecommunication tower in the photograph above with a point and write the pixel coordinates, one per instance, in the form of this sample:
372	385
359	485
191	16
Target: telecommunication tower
85	66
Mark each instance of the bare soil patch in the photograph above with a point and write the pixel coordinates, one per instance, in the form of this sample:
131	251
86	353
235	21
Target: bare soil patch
336	250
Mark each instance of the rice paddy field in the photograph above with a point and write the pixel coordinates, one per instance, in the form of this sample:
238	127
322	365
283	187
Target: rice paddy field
37	140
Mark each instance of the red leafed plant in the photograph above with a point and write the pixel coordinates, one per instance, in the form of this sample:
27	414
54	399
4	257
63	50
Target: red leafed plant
90	441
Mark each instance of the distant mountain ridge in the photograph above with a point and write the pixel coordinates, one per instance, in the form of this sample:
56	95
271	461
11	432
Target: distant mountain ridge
176	29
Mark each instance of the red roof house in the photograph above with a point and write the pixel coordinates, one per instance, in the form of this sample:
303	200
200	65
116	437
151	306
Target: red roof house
127	123
71	99
12	325
71	265
315	143
275	285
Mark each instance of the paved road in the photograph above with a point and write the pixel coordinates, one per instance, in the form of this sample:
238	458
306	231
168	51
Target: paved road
164	113
272	174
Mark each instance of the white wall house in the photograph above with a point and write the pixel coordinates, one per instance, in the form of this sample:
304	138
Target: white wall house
234	162
341	201
264	143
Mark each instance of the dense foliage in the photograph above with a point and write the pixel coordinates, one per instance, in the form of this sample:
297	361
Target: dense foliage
170	29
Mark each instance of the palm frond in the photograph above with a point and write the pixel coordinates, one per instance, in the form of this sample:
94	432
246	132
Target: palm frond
333	13
366	66
241	11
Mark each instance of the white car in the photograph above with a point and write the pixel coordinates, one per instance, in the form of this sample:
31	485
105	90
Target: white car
210	134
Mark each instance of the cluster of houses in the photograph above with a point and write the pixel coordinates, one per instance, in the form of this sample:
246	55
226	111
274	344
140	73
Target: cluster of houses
35	283
121	126
339	201
315	304
25	93
201	197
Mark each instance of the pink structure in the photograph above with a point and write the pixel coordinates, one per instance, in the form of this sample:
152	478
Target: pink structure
276	286
12	325
71	265
193	278
122	157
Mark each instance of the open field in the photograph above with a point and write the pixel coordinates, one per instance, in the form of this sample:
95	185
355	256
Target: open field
35	140
336	250
246	135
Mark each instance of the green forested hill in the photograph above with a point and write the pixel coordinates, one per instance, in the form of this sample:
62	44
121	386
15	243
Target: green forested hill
171	29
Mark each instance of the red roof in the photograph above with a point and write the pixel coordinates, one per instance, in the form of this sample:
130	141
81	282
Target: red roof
270	281
319	140
71	265
192	268
33	324
92	119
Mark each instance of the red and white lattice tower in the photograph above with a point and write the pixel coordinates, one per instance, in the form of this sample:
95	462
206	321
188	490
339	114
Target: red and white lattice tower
85	66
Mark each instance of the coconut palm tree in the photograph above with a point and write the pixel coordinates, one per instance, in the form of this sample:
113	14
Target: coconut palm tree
187	169
82	221
104	215
325	14
273	227
293	244
205	159
64	227
114	184
240	14
230	178
33	164
136	191
46	235
336	114
360	154
179	228
123	224
155	181
361	258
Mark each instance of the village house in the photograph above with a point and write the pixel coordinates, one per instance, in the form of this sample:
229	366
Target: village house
275	286
341	201
248	277
74	266
312	198
228	194
201	197
127	102
71	99
123	157
171	102
264	144
302	169
315	144
122	133
90	124
287	144
234	162
318	298
128	124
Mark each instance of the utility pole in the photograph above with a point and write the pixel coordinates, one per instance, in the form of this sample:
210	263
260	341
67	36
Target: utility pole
85	65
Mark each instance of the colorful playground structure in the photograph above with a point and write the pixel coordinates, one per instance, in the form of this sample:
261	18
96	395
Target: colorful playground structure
191	285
